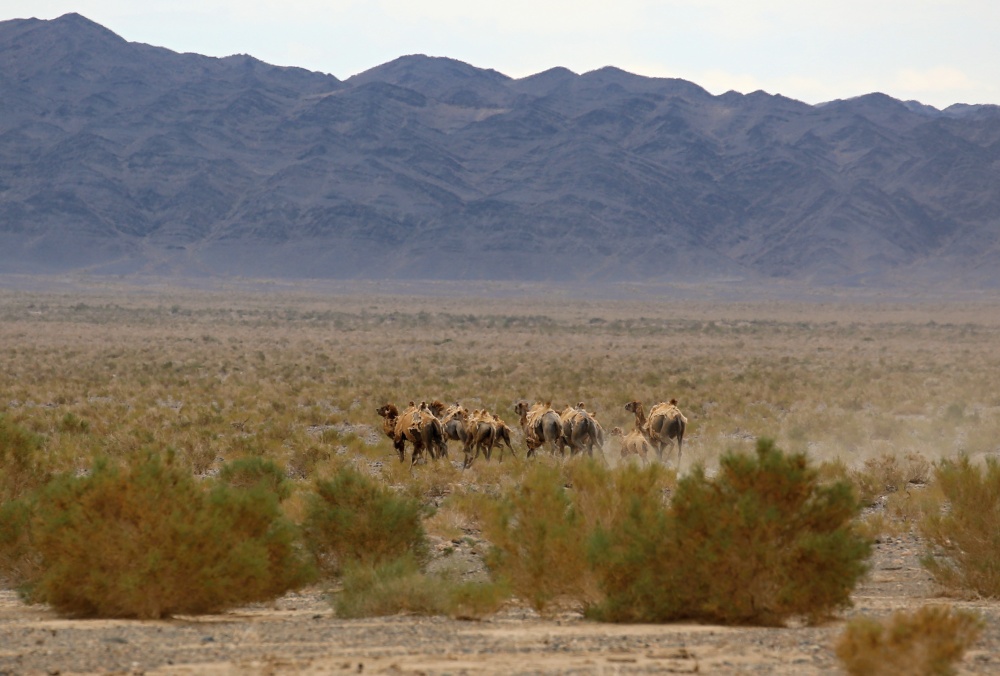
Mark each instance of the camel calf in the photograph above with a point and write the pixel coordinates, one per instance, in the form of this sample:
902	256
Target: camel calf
665	423
633	443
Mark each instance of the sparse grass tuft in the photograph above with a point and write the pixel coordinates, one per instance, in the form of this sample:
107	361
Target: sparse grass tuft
928	641
248	473
398	586
964	541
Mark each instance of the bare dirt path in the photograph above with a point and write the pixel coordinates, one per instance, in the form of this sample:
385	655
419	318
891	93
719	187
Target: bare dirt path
300	634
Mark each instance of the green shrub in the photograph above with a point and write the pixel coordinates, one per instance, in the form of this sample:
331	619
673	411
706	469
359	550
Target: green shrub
71	424
635	563
149	541
19	561
964	542
399	586
351	518
21	469
251	472
539	540
928	641
761	542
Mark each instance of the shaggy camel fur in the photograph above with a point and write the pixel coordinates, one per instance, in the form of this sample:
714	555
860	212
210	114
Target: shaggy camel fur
633	443
580	430
484	431
541	425
453	420
665	423
418	426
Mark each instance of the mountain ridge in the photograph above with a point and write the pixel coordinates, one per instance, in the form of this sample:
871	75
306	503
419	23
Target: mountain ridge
121	158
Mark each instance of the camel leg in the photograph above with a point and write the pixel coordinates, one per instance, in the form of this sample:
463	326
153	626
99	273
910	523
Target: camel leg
511	451
418	449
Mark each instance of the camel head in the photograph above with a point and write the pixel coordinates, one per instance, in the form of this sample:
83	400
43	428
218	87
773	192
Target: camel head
617	432
521	408
437	408
388	411
632	406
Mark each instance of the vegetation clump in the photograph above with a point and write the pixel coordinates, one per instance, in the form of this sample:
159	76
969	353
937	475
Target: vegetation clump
252	472
150	541
21	467
538	538
760	543
929	641
964	540
400	586
352	518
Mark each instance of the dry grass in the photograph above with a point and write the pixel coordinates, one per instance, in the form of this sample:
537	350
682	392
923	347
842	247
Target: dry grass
294	374
928	641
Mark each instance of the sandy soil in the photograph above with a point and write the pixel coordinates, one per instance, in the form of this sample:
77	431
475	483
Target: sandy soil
299	634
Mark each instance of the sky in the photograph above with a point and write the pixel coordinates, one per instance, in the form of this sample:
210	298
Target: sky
938	52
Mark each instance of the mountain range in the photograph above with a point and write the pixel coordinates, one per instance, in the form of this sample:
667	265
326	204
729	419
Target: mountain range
124	158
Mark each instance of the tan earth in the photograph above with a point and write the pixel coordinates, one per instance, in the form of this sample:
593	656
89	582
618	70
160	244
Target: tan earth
300	634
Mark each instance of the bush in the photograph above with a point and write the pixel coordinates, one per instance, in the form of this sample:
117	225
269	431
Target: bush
964	542
888	474
149	541
20	468
634	562
252	472
398	586
353	519
928	641
539	540
762	542
19	562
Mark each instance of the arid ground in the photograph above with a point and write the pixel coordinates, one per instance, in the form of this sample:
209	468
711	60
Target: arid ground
295	372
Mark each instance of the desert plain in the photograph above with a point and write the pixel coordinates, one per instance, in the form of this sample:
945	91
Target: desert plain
293	371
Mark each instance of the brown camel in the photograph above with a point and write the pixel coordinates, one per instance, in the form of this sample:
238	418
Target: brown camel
453	420
633	443
580	430
416	425
487	430
541	425
665	423
484	431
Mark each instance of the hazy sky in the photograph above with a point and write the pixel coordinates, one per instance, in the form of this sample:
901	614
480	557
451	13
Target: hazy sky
938	52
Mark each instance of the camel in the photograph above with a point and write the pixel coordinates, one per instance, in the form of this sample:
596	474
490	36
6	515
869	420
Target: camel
453	419
665	423
389	414
633	443
484	431
541	425
580	430
418	426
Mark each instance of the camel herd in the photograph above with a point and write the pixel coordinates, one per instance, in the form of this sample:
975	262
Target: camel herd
431	426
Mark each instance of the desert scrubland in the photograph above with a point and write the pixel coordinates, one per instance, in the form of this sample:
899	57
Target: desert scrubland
874	389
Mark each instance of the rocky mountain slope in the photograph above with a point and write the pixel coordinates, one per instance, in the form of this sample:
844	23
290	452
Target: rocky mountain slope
118	157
